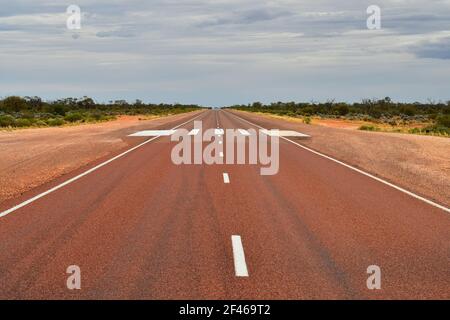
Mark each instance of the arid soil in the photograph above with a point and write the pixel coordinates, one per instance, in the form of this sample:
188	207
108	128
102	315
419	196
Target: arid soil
418	163
32	157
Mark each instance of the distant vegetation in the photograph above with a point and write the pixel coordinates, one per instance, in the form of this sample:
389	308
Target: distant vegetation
436	116
33	111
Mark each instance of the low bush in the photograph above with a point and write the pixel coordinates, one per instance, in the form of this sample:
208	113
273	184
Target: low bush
6	120
443	120
436	130
55	122
40	123
73	117
369	128
23	123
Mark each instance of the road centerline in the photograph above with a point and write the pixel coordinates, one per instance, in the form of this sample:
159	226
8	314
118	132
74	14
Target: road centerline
240	266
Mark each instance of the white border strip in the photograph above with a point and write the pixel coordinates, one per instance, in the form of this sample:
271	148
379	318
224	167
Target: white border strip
244	132
434	204
240	267
43	194
153	133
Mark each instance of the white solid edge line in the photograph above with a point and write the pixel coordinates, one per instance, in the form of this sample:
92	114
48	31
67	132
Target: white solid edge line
43	194
432	203
240	267
226	178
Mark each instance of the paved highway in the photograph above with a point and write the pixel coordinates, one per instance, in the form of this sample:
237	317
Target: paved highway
140	227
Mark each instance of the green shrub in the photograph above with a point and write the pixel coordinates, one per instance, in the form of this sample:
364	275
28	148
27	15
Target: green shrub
73	117
55	122
443	121
439	130
307	120
369	128
98	116
40	123
23	123
308	111
408	111
415	131
342	110
291	114
7	120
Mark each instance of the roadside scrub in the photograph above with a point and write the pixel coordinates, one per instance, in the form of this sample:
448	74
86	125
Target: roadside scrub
18	112
382	115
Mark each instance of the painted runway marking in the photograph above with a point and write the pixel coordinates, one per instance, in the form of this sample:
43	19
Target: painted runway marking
27	202
284	133
240	267
219	132
221	154
244	132
226	178
432	203
194	132
153	133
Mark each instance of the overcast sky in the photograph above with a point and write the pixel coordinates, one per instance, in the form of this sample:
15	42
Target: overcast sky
217	52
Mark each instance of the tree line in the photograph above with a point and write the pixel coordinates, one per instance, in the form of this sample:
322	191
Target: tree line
33	111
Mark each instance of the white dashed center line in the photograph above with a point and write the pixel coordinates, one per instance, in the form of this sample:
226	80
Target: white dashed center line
226	178
240	266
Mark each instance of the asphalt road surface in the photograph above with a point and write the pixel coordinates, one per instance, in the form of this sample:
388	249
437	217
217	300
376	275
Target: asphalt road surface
140	227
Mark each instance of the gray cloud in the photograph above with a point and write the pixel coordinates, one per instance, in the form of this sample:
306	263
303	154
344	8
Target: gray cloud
246	17
434	50
121	33
221	52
